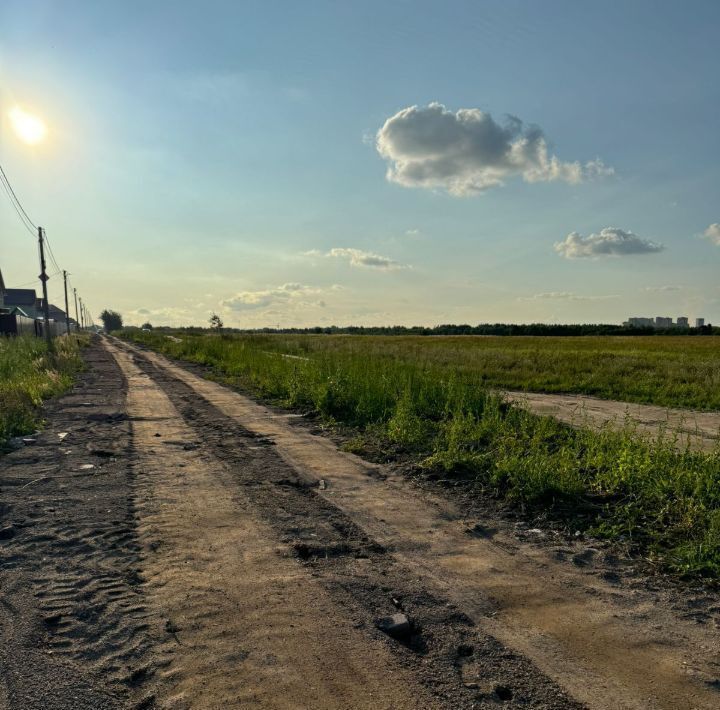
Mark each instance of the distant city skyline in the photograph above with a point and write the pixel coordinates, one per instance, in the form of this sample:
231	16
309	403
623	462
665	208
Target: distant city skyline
379	163
664	322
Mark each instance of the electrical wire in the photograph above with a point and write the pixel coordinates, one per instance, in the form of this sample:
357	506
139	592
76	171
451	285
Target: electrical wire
50	251
29	225
24	217
8	192
27	283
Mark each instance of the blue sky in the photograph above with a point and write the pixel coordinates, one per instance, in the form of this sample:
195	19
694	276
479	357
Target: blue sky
223	156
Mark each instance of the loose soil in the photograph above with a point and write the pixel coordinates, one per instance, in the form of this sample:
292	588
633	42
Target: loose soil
219	554
698	430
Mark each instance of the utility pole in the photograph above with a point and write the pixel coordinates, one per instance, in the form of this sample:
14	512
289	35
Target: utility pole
44	278
82	315
67	307
77	318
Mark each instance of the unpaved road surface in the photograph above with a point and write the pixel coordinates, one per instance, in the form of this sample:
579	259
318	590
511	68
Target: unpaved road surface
698	430
181	546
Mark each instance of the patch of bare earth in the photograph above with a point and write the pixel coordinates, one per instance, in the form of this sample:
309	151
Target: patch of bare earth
699	430
607	643
75	630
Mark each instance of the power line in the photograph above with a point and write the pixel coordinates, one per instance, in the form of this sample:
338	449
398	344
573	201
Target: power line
24	217
50	251
34	230
8	192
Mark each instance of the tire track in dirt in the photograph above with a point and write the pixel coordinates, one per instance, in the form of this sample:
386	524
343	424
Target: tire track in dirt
246	625
458	663
610	647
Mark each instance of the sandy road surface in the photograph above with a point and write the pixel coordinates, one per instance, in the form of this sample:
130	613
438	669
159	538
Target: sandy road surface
701	430
217	554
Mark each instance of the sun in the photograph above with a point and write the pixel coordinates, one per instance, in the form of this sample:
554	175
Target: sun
29	129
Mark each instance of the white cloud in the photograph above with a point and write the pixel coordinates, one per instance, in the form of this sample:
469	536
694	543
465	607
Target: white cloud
468	151
713	233
611	241
563	296
358	257
661	289
289	293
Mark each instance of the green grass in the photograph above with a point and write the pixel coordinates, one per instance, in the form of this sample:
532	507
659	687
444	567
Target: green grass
28	375
671	371
428	399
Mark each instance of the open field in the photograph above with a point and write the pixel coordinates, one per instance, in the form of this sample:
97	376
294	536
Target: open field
28	375
411	396
670	371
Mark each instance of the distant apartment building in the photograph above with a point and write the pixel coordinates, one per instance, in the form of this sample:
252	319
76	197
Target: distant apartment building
640	322
662	322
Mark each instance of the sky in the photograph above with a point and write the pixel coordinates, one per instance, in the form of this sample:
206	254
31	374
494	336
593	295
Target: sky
379	163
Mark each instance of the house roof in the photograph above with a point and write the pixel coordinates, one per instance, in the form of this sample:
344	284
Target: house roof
56	313
19	297
17	311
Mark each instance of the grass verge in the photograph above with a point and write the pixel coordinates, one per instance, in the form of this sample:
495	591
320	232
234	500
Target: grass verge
663	502
29	375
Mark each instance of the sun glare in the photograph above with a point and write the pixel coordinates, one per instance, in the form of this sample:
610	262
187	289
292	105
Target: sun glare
29	129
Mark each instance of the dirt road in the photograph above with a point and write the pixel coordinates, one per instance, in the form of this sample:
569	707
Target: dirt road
699	430
220	554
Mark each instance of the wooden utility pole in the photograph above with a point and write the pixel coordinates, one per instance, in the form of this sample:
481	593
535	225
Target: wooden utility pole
67	306
82	315
44	278
77	318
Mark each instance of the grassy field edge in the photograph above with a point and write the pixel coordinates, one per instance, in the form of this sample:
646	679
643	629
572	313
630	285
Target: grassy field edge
29	374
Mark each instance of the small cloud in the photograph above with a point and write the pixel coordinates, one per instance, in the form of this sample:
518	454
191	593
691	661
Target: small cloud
467	151
713	233
661	289
358	257
611	241
412	232
142	311
563	296
263	298
293	287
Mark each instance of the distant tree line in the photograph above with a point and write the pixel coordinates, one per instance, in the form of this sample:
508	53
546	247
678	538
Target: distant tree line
506	329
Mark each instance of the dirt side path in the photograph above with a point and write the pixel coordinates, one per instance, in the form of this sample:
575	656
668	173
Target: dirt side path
611	646
75	632
246	625
699	430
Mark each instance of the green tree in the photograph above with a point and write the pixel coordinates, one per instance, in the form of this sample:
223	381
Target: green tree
216	322
147	326
112	320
